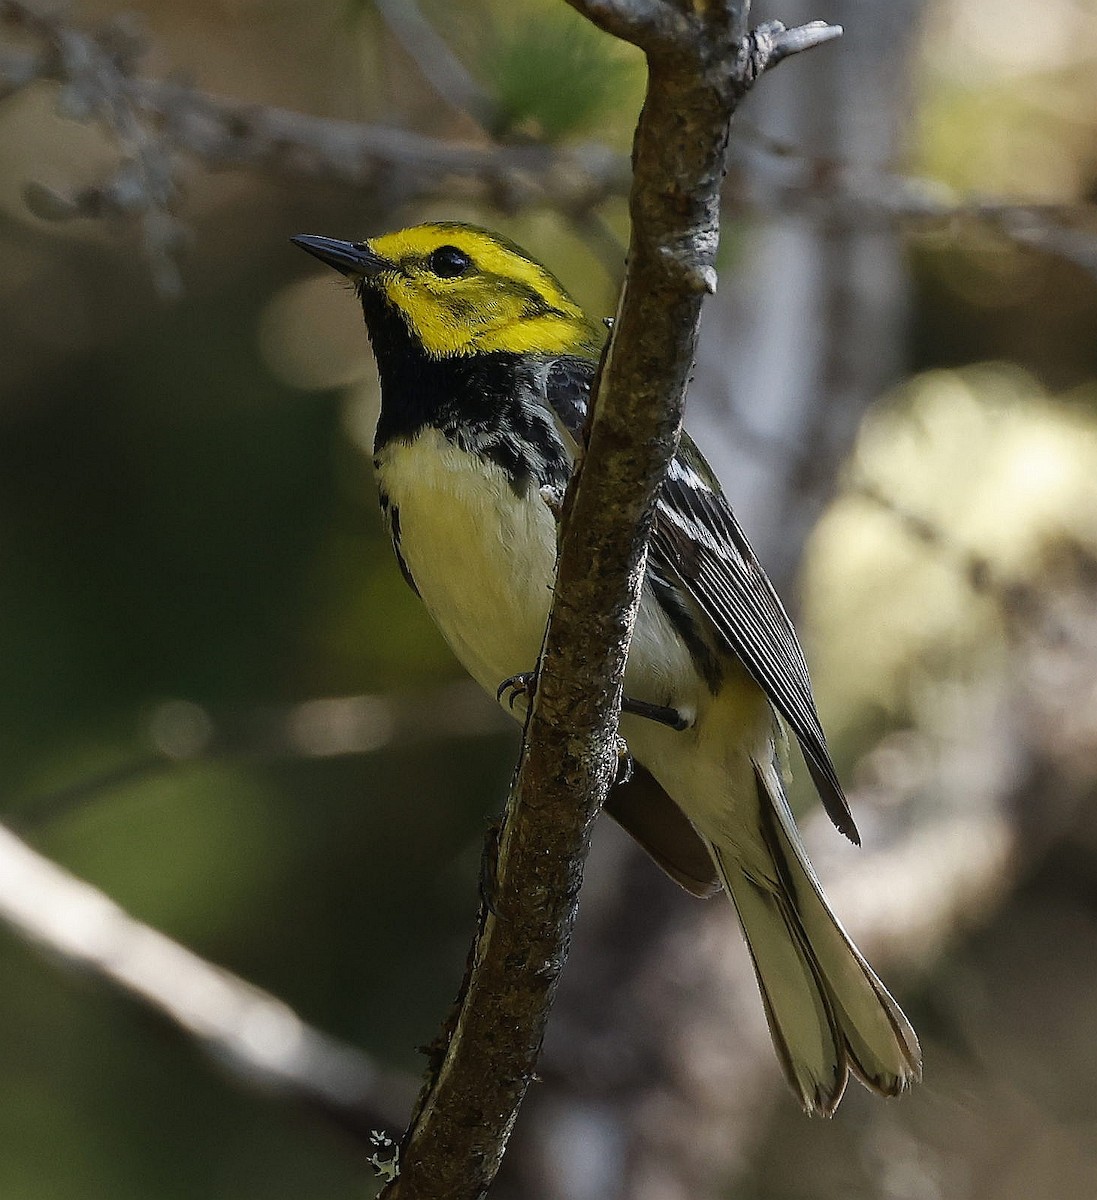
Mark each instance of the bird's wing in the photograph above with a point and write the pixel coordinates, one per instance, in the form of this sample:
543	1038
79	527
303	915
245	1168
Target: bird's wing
697	536
697	542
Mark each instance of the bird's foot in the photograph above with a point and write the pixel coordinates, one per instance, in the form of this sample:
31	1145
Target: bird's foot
553	499
626	764
516	687
521	687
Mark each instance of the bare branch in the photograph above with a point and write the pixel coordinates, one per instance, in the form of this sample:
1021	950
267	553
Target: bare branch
96	71
771	43
490	1048
649	24
257	1037
775	43
223	133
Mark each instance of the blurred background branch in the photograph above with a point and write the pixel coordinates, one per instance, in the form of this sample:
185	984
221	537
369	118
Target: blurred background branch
154	122
248	1032
178	732
437	63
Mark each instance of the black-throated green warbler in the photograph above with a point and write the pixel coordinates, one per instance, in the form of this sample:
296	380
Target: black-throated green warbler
486	366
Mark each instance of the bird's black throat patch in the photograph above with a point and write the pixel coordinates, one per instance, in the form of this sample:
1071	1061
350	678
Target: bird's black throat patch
487	404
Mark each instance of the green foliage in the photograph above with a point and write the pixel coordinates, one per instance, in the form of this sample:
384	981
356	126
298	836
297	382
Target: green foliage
553	75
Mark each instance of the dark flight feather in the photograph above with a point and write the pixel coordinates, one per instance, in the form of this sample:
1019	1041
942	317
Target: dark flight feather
697	543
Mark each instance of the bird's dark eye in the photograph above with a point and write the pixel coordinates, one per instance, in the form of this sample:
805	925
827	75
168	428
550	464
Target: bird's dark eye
448	262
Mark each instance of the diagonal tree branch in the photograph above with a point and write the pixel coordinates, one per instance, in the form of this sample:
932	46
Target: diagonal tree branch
251	1033
700	65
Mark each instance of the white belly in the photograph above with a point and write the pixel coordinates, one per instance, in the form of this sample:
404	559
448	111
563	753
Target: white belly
484	561
482	558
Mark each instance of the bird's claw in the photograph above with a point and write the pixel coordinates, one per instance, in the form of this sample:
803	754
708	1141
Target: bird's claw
515	688
626	764
553	499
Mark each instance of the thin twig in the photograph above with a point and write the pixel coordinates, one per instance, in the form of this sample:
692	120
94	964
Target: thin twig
95	71
251	1033
179	732
437	63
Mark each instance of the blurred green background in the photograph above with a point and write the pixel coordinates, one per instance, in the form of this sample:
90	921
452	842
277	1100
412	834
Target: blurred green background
191	552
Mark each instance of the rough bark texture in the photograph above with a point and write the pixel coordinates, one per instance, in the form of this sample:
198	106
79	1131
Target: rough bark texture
700	64
659	1071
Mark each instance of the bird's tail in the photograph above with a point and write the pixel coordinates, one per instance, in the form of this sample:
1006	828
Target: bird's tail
828	1013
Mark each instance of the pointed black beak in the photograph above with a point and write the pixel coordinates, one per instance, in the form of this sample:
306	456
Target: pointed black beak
355	259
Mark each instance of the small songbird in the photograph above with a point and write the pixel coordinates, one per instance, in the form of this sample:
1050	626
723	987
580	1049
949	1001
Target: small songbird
486	365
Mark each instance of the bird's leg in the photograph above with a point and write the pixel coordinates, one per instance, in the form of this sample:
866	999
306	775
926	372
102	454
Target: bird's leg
661	714
521	686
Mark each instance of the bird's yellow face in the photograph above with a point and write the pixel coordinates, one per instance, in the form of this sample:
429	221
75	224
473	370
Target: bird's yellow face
463	291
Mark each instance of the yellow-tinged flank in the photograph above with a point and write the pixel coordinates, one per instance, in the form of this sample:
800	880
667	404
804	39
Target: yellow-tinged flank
505	302
482	556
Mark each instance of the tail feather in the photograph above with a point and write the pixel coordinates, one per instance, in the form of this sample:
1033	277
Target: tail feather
798	1011
883	1047
828	1012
